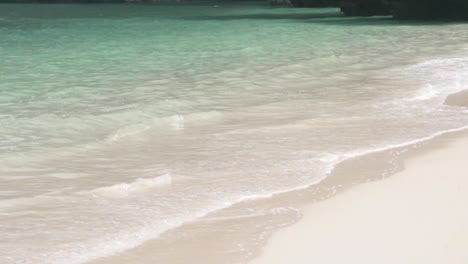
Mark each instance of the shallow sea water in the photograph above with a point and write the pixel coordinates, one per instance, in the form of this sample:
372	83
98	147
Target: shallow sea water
121	122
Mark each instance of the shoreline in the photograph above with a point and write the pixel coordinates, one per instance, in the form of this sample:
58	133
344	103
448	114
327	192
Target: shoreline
423	165
413	216
374	167
154	161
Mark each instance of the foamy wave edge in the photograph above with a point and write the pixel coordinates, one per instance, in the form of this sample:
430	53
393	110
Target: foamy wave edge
110	248
122	190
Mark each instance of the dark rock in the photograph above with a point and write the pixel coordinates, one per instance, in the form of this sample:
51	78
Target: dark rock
365	7
407	9
314	3
280	2
430	9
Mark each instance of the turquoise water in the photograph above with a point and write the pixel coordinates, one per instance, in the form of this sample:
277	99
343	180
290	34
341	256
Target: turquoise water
120	122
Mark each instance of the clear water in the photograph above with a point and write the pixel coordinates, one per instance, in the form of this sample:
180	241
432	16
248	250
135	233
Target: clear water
120	122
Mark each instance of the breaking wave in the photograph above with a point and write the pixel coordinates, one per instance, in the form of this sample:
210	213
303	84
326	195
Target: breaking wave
122	190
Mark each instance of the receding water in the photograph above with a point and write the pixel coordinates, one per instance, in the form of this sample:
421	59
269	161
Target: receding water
120	122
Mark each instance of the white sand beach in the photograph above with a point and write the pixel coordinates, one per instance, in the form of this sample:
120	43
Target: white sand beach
181	133
417	216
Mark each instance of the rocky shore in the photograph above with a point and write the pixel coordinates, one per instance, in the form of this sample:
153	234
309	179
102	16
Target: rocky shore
430	9
365	7
400	9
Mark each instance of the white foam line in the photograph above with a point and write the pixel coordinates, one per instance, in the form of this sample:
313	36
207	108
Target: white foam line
348	156
105	248
117	243
122	190
255	214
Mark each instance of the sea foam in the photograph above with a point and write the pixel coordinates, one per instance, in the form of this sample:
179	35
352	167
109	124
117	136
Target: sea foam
122	190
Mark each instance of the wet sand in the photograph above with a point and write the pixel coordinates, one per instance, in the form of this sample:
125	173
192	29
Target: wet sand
458	99
418	215
405	205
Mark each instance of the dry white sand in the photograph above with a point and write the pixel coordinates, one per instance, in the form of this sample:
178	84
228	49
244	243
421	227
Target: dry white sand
418	216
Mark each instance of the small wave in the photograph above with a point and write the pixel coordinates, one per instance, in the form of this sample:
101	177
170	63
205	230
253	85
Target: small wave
122	190
174	122
127	131
448	75
439	62
114	242
426	93
336	159
438	78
